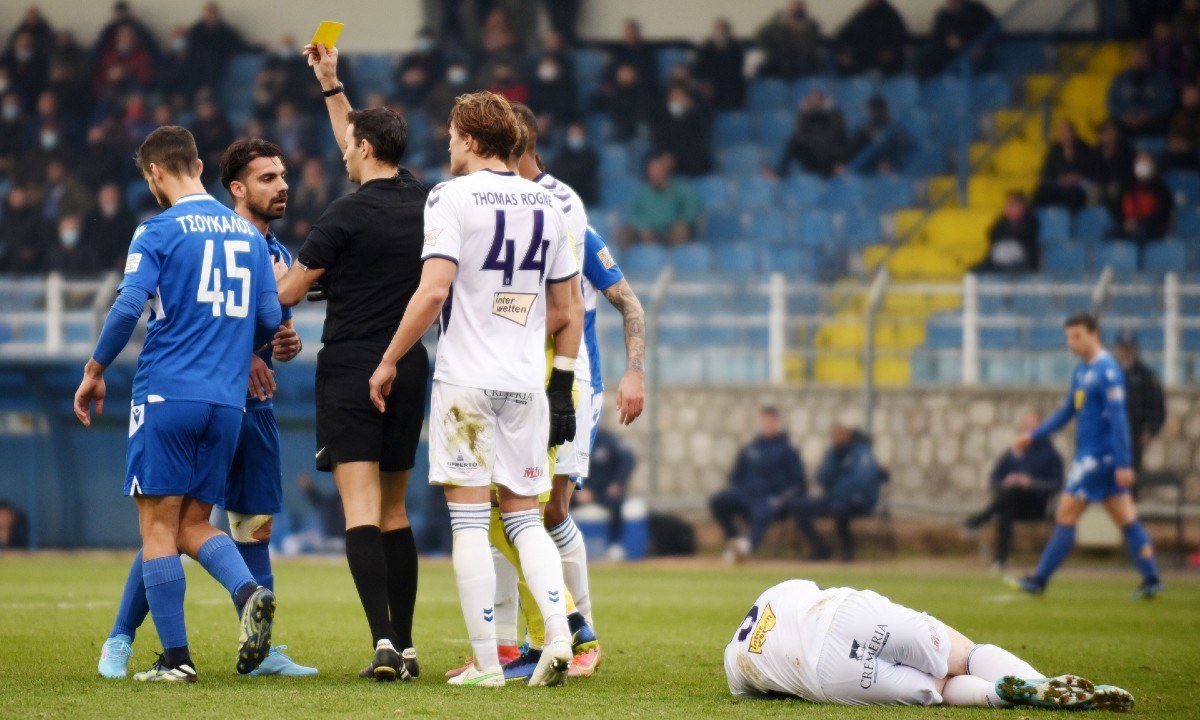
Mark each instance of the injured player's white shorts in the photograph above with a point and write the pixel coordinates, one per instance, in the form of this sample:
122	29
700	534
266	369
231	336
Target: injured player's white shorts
879	653
478	437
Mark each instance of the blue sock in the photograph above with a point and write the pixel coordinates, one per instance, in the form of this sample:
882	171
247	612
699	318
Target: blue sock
1056	551
165	586
221	559
132	611
257	556
1136	540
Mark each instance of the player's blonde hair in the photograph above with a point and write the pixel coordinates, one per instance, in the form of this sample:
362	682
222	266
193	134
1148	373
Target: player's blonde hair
489	120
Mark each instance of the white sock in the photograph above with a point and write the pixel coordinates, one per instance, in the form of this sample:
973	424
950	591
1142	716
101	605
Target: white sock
506	599
971	691
992	663
476	578
542	568
573	552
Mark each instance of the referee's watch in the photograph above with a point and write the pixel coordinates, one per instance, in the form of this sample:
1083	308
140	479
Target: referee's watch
336	91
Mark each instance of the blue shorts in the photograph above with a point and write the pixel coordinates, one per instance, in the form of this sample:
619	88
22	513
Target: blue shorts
1093	480
255	485
181	448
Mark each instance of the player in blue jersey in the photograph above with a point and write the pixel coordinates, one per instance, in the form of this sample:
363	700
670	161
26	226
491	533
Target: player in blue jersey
254	174
1103	470
209	275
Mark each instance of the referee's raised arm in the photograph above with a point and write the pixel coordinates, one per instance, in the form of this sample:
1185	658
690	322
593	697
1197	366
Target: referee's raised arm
323	61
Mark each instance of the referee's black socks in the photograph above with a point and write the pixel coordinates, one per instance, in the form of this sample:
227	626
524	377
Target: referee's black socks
400	549
368	566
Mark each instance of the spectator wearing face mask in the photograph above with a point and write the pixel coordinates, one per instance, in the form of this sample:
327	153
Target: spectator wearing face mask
109	228
441	98
13	123
627	104
508	85
577	164
419	70
552	90
1146	203
684	131
71	256
27	66
63	195
25	238
47	114
47	147
174	78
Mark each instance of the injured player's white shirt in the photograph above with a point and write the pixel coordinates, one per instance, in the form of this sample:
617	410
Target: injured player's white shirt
509	238
778	645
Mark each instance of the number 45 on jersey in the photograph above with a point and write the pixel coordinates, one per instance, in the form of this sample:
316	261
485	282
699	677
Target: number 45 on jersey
209	290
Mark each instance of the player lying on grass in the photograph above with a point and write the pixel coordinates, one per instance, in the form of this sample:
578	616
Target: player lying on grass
855	647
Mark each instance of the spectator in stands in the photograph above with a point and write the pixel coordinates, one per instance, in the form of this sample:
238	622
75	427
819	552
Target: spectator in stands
1066	170
767	476
1179	154
577	164
627	103
1146	203
1146	408
212	43
68	55
1169	54
1114	167
720	65
791	43
105	154
506	83
1185	123
663	210
13	122
307	199
632	51
174	77
63	195
134	59
887	144
1013	240
109	229
27	67
291	131
499	41
552	92
1140	98
1021	486
213	134
818	142
122	17
71	256
684	129
25	238
874	38
14	527
850	478
34	23
609	470
47	115
71	93
419	70
441	97
956	27
1187	21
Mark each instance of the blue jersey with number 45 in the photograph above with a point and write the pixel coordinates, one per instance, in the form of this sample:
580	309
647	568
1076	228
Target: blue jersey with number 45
209	276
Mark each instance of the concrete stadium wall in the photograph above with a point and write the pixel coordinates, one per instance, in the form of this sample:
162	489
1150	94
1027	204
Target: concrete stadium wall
940	444
373	26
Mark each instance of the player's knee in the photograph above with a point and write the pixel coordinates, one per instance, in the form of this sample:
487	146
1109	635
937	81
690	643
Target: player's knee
245	528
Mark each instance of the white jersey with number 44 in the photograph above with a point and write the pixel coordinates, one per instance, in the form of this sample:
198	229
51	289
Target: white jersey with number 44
509	239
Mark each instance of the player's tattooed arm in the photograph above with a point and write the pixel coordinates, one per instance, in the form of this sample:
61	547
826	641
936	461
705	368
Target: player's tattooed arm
622	297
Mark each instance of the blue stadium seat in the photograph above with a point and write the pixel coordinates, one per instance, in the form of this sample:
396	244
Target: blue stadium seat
1092	223
902	94
668	58
844	191
678	335
928	159
1046	337
758	337
889	192
617	191
643	260
736	259
718	336
861	227
599	128
788	259
732	127
1054	224
746	303
1155	145
769	95
815	227
1191	340
772	131
239	76
374	73
1065	258
1121	256
1019	56
691	260
616	160
943	92
800	88
713	191
724	226
990	92
941	336
137	194
754	193
999	338
768	225
1133	305
740	159
1187	223
802	191
851	96
993	304
1166	256
589	64
1150	339
1185	184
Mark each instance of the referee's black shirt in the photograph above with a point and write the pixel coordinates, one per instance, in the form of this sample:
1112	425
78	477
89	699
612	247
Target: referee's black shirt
369	244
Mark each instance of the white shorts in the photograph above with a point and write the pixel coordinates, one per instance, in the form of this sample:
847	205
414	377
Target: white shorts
879	653
574	457
478	437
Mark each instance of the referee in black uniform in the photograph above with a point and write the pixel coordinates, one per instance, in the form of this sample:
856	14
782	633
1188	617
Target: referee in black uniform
366	250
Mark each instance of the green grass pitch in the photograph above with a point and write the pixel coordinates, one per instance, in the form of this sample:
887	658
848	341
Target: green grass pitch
663	626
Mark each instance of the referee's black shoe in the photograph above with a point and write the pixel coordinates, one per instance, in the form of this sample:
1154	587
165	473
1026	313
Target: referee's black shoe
258	615
387	665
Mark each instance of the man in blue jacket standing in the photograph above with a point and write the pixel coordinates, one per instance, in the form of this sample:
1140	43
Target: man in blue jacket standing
766	477
850	478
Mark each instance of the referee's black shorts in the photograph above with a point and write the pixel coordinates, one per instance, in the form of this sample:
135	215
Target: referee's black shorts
349	427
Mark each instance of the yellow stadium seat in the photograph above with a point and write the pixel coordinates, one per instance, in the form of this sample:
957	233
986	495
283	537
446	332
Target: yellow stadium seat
1110	59
893	372
793	368
923	263
842	335
1031	127
905	220
1019	157
838	371
942	189
988	192
1037	86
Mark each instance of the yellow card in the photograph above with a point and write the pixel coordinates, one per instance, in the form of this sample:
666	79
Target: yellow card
327	33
